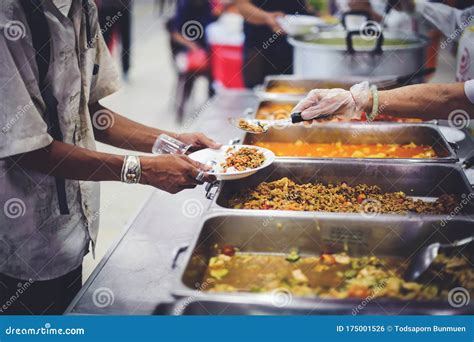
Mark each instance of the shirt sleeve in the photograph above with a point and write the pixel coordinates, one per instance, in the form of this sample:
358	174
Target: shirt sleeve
22	127
449	20
469	89
107	80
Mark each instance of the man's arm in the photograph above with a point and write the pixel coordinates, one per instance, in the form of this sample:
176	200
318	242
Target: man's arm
257	16
114	129
171	173
429	101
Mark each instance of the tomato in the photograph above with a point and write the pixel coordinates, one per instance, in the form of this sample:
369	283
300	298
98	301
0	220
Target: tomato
228	250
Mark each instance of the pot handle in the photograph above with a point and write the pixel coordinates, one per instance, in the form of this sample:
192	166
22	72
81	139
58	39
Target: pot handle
373	31
360	13
178	251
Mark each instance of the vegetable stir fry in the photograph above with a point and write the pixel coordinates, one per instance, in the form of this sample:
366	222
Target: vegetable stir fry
284	194
335	276
249	127
243	158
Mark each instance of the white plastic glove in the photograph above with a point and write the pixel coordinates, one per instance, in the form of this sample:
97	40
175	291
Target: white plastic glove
343	104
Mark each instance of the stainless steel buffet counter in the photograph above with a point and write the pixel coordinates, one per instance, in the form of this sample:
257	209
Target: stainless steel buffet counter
136	275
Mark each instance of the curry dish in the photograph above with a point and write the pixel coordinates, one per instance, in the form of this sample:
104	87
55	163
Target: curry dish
277	111
335	276
284	194
283	89
339	150
288	89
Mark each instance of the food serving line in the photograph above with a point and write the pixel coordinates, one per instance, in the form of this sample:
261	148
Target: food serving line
152	268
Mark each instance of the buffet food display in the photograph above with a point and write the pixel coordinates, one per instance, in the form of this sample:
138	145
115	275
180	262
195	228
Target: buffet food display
340	150
282	110
285	194
335	219
334	276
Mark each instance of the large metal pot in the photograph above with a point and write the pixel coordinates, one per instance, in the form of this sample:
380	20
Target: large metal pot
386	54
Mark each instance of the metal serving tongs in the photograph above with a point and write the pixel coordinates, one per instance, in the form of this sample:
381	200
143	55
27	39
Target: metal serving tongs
425	257
256	126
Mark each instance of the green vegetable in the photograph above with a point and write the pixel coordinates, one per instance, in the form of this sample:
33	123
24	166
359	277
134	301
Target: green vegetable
219	274
293	256
350	273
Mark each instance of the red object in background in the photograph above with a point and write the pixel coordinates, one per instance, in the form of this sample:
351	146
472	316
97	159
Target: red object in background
197	61
227	63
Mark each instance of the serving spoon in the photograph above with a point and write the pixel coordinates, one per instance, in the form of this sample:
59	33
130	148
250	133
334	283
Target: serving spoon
257	126
425	257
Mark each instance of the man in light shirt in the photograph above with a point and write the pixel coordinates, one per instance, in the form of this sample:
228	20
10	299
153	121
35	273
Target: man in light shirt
55	69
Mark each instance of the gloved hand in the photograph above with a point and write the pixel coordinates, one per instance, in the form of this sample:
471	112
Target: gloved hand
343	104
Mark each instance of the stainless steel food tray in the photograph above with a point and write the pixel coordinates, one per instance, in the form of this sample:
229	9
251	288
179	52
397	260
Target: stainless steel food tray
415	179
252	112
280	232
349	133
308	84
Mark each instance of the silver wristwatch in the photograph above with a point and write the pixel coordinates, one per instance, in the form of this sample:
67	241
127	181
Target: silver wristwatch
131	170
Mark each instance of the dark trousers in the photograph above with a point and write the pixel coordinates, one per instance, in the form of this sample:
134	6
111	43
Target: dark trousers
26	297
124	29
259	63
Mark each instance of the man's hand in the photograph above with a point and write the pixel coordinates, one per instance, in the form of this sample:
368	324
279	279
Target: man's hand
272	22
198	141
172	173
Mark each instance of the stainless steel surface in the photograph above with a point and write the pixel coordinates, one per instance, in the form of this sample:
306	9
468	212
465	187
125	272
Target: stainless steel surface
237	306
415	179
279	233
326	61
137	269
359	133
308	84
423	259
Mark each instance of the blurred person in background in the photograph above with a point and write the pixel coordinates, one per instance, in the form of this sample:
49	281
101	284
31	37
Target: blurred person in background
189	47
163	5
266	50
431	101
115	19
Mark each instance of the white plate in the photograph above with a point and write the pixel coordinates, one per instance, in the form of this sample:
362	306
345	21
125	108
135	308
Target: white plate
208	156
